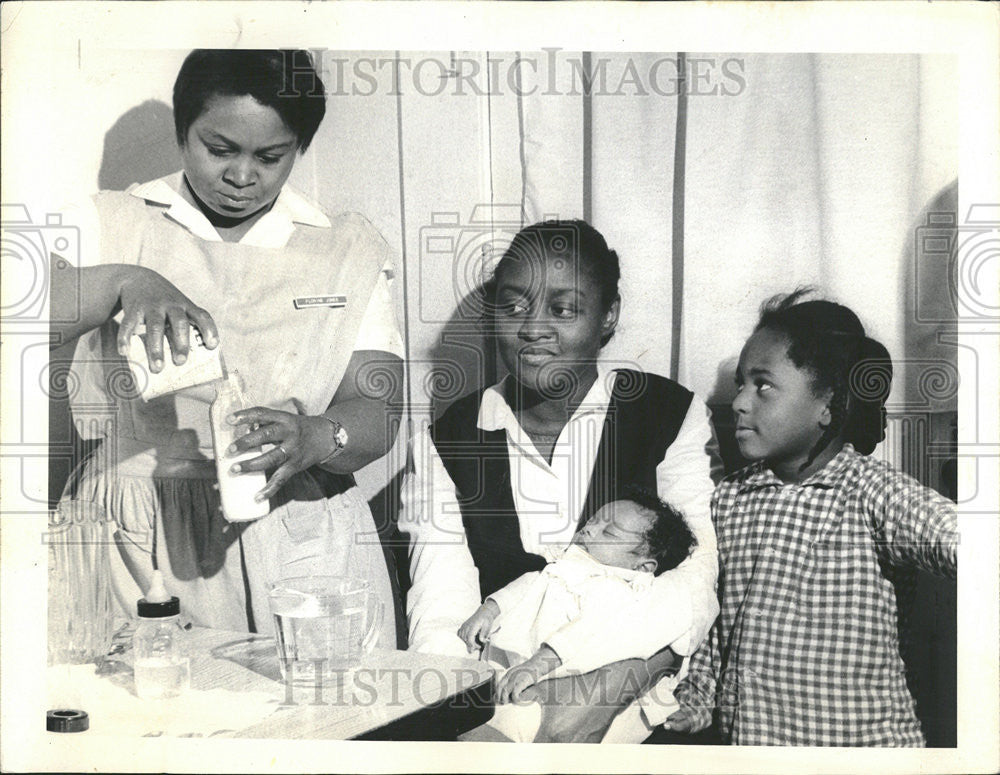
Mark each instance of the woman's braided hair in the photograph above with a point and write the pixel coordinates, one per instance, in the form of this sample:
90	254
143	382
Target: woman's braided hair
830	342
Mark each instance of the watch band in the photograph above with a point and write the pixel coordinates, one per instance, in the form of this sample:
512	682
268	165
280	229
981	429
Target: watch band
340	438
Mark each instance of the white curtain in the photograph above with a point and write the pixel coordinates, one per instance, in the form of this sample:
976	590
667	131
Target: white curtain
816	172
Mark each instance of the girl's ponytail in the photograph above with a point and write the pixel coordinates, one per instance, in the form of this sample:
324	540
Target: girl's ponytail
869	383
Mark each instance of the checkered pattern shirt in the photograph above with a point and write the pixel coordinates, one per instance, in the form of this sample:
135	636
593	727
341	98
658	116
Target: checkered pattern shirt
806	648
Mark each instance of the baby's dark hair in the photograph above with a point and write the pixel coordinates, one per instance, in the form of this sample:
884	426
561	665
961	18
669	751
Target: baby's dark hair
830	342
669	540
575	240
283	79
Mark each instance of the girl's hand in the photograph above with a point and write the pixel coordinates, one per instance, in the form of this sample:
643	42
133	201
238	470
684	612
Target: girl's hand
684	720
476	628
300	441
148	297
516	680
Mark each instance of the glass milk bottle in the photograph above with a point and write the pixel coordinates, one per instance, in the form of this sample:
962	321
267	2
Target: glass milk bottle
162	667
235	490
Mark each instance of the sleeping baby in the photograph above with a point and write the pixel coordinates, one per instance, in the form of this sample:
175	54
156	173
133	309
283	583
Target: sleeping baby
610	563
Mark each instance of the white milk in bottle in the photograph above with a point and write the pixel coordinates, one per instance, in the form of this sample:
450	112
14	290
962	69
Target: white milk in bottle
235	490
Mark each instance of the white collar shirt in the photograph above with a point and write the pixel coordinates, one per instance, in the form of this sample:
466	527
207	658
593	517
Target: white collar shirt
273	230
549	495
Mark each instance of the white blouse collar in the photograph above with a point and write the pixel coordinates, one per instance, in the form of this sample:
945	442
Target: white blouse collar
271	231
495	413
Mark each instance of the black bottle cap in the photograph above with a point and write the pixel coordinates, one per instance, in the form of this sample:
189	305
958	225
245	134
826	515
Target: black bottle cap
148	610
67	720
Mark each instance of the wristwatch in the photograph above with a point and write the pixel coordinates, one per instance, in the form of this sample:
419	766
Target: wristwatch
339	439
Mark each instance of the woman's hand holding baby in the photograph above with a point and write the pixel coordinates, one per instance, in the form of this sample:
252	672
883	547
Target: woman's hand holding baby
527	674
476	629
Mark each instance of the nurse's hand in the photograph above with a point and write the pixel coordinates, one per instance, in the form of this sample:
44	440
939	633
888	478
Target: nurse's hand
148	297
82	299
299	442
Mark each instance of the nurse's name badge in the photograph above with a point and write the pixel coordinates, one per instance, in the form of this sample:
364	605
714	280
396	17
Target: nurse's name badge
308	302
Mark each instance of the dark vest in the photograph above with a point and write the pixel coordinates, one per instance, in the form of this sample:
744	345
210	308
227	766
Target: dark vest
644	417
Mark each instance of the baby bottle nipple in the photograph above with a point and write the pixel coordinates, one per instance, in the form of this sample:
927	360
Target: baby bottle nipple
157	591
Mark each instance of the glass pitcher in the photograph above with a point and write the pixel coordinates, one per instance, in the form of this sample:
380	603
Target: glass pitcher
79	595
324	625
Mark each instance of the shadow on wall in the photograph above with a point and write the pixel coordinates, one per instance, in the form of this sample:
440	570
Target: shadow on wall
720	402
140	146
930	354
462	361
928	605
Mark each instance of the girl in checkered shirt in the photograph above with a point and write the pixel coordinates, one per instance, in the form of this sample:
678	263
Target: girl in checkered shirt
812	537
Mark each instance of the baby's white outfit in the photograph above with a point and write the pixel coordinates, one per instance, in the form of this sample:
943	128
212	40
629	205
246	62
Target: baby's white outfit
542	608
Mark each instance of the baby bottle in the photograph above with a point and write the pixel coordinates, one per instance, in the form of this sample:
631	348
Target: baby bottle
162	667
235	490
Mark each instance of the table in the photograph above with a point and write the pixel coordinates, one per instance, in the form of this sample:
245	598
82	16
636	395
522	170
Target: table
393	695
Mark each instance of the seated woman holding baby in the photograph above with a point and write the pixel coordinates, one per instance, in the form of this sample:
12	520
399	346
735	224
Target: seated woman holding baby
547	513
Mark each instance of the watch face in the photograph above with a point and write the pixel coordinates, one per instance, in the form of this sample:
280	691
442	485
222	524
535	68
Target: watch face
339	439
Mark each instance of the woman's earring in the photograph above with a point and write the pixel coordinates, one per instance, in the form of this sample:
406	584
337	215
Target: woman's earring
611	317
